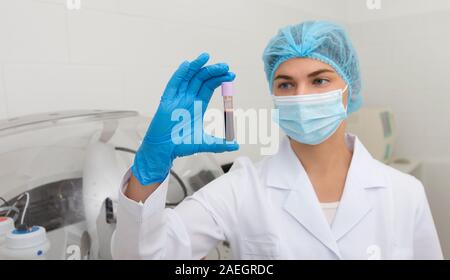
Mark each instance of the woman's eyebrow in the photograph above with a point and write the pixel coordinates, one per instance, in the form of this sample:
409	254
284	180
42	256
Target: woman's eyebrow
318	72
313	74
286	77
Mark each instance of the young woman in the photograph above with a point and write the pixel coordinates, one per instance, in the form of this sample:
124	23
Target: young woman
322	196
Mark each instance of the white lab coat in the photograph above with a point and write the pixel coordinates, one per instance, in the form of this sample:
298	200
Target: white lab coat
269	210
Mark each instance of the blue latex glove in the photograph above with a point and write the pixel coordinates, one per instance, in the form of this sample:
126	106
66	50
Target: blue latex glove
191	82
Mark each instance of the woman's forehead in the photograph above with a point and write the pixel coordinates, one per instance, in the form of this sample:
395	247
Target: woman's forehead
301	67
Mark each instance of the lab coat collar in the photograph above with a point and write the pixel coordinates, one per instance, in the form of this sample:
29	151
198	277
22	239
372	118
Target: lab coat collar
286	172
285	163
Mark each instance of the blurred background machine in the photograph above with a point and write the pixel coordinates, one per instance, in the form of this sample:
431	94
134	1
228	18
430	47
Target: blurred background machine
59	179
376	128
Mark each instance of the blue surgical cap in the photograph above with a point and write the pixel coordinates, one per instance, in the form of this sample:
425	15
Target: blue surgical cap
321	40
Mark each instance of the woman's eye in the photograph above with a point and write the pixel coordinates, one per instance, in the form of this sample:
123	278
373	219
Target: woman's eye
285	86
320	82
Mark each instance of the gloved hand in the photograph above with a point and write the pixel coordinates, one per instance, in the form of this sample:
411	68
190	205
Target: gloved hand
167	138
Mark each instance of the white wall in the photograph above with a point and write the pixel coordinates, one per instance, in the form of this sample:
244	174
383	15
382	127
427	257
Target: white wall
436	177
405	65
119	54
3	105
357	10
405	60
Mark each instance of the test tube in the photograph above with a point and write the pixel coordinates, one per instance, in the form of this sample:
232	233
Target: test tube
227	94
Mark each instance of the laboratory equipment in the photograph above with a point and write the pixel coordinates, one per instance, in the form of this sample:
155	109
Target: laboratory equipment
71	164
375	127
25	243
6	226
227	94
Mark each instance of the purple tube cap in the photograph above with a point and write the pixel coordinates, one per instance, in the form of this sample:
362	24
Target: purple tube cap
227	89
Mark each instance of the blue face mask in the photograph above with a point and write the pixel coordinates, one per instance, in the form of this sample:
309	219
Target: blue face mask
310	118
